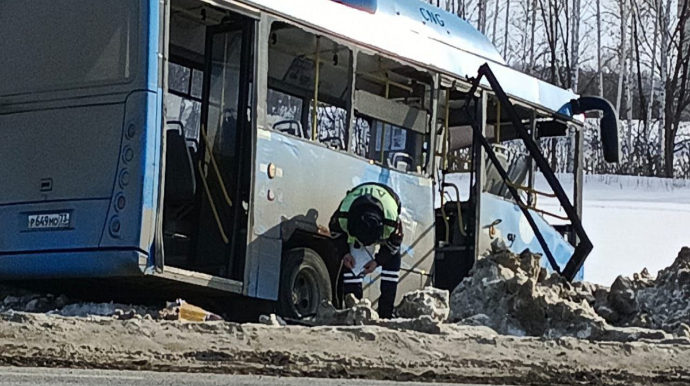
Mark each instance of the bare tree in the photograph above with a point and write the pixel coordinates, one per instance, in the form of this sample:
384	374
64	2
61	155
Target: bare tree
677	99
481	21
462	9
505	30
628	87
664	15
550	12
641	153
575	45
533	28
495	24
623	53
655	38
600	74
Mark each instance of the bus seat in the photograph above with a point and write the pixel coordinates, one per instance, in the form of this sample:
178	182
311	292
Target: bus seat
517	173
494	182
401	161
290	126
180	182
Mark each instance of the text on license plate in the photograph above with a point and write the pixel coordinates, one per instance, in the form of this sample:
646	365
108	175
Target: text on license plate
49	221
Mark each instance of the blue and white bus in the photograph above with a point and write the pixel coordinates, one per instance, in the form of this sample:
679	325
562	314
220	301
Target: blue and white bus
209	141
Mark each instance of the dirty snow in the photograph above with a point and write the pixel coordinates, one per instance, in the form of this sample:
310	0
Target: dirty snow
514	295
459	354
587	326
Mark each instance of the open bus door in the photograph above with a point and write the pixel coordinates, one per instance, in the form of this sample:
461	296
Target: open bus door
206	232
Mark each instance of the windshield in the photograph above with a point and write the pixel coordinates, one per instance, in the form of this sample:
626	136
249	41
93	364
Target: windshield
49	45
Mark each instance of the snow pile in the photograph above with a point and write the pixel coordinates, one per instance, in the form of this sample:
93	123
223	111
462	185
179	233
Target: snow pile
20	300
514	295
422	313
661	303
357	313
428	301
112	310
272	320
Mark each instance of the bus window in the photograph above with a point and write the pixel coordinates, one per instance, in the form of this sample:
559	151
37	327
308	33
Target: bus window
293	74
360	144
100	49
398	148
390	145
392	110
332	125
284	113
184	102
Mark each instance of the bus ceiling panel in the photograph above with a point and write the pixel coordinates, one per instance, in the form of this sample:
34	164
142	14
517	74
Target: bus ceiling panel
391	112
240	7
406	36
295	80
187	34
196	12
381	65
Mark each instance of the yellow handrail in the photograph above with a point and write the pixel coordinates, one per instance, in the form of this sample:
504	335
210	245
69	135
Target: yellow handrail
541	211
530	190
215	166
445	137
498	122
386	81
213	206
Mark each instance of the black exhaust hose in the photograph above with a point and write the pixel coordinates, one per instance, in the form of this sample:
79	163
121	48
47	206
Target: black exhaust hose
608	125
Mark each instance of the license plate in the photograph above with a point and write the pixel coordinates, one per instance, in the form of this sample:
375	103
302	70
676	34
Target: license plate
49	221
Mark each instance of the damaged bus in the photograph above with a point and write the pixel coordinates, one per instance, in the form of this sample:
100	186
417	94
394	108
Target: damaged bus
208	142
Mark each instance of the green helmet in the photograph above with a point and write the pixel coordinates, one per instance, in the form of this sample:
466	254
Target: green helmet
369	213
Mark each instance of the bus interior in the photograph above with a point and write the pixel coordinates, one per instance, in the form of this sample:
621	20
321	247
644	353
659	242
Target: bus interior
461	236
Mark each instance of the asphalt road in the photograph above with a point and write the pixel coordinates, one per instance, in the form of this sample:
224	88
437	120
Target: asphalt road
11	376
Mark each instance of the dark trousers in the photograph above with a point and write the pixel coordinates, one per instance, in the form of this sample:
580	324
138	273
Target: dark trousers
390	274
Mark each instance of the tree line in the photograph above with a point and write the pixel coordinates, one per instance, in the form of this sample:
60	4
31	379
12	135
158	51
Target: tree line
635	53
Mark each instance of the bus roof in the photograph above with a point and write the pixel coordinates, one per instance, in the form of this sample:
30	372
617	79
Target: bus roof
421	33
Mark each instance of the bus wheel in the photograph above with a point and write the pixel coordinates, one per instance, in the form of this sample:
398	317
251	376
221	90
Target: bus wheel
304	283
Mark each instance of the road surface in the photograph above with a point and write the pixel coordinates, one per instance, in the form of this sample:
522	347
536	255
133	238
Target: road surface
13	376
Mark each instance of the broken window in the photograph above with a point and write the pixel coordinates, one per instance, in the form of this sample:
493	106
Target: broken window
392	110
183	103
307	71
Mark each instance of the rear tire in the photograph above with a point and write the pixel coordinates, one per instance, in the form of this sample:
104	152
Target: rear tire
304	283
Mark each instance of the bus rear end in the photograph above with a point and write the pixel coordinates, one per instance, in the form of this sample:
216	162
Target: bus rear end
79	137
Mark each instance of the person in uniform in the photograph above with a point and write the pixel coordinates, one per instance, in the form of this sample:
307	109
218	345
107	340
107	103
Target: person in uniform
369	217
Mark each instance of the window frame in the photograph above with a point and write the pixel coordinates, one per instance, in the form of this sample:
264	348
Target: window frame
352	115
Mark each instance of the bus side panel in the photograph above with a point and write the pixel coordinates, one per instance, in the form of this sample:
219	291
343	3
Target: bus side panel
513	222
309	184
73	264
131	216
58	161
138	179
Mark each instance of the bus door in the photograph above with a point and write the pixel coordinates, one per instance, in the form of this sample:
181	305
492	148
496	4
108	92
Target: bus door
225	150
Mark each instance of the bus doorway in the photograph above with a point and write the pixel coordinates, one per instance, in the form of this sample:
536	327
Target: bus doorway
208	158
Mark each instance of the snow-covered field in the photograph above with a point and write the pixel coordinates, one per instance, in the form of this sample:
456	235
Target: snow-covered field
633	222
